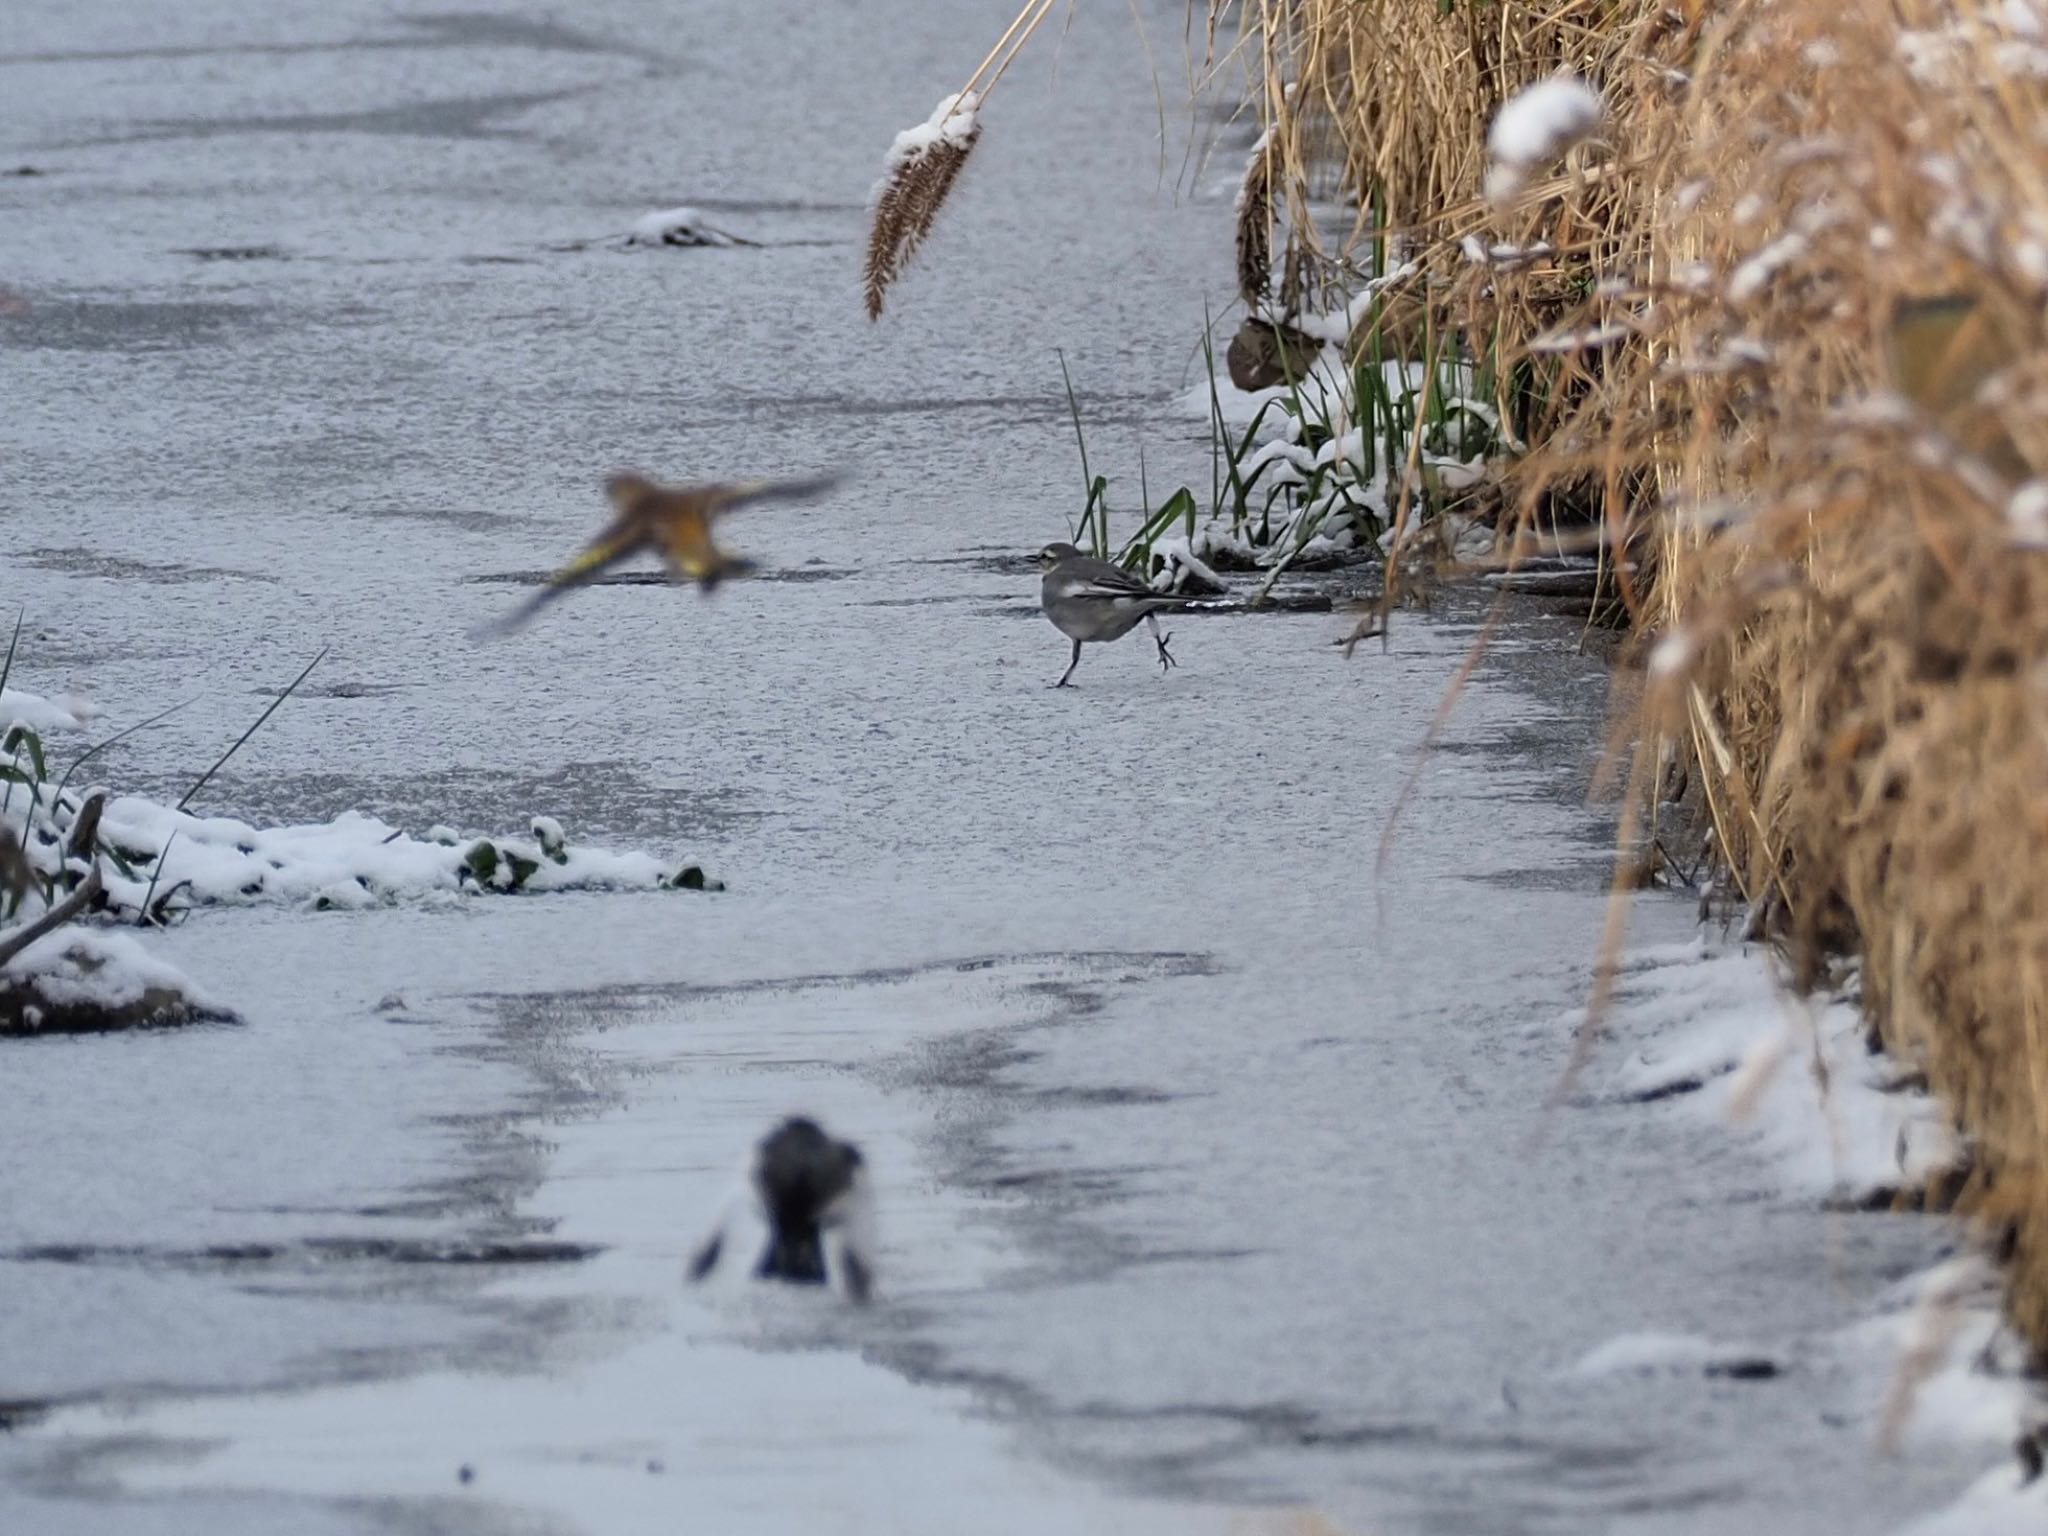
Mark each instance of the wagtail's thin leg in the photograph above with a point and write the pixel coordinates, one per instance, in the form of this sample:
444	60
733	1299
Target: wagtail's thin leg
1166	660
1070	666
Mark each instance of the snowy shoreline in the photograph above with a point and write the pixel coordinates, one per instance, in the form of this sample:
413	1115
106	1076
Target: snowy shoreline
1715	1038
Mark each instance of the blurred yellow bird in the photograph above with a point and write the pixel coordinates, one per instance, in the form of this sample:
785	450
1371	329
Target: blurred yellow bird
675	522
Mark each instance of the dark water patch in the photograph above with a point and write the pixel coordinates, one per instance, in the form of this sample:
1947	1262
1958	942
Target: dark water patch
997	559
343	1250
984	598
233	252
1104	410
109	325
455	117
342	690
742	205
1744	1368
1592	870
1219	608
1103	1098
1677	1088
468	519
20	1412
603	801
793	575
435	29
1140	966
79	561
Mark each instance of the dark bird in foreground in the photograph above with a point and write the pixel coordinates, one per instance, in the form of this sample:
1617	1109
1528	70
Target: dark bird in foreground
810	1189
1089	599
675	522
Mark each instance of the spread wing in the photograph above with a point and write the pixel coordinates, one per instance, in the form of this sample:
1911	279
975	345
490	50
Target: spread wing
623	539
746	492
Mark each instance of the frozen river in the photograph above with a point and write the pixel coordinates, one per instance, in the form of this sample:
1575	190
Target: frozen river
1215	1170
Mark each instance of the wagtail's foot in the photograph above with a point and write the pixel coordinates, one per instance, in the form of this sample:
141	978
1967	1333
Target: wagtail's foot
1166	661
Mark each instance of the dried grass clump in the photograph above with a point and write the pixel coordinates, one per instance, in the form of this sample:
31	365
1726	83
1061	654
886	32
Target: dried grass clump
1781	327
1821	444
1387	105
1386	109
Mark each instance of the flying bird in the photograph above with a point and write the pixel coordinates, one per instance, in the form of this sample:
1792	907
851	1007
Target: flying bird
675	522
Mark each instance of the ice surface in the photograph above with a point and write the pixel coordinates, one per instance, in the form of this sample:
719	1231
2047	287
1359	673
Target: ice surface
1213	1162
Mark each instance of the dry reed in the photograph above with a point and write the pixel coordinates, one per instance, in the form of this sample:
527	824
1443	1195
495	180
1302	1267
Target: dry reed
1796	295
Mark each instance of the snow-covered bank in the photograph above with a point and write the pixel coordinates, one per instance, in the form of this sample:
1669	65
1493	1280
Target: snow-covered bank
81	855
1714	1037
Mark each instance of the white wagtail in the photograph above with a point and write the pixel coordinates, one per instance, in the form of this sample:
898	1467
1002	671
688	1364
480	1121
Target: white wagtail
1089	599
808	1187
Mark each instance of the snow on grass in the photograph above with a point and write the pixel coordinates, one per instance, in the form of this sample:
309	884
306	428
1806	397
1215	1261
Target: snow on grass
1835	1122
156	859
62	713
1317	464
1534	127
1794	1076
952	123
355	860
90	979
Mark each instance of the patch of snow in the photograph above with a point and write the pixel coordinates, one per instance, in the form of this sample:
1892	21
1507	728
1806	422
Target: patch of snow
18	707
1534	127
1671	654
1794	1075
175	860
354	860
678	226
1592	338
95	968
1647	1354
2027	515
953	122
1182	562
1750	278
2000	1503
